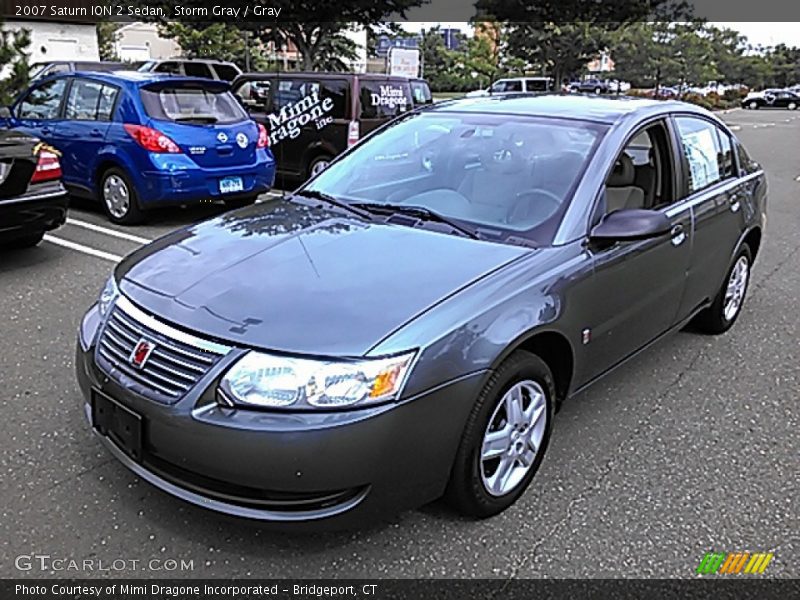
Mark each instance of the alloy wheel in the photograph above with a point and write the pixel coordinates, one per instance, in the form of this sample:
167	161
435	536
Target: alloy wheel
116	196
319	166
513	437
737	285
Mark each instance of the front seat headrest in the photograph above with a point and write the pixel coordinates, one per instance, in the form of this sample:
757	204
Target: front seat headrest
623	174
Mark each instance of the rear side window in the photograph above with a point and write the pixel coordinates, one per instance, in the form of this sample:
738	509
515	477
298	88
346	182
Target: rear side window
193	69
196	105
90	101
226	72
384	99
701	148
44	101
509	85
169	67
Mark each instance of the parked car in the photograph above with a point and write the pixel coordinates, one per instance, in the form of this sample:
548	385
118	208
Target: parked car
313	117
595	86
137	141
404	326
515	85
32	199
771	98
195	67
44	69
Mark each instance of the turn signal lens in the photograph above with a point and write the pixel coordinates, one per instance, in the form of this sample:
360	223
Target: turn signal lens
152	140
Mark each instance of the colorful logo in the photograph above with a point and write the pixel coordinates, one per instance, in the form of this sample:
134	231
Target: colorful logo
141	352
732	563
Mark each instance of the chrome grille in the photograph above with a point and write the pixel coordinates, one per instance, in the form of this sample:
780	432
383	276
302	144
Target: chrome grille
177	362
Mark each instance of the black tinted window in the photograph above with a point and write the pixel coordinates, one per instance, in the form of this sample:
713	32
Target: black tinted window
384	99
44	101
422	93
193	69
192	105
746	164
226	72
321	98
254	95
169	67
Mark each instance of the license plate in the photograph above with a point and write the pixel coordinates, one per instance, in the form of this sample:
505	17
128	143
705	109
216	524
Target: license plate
230	184
118	423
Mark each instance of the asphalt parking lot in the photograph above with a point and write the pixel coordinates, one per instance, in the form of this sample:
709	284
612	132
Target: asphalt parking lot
691	448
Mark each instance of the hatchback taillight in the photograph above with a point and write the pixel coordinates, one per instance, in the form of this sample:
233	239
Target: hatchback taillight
48	168
263	138
151	139
353	133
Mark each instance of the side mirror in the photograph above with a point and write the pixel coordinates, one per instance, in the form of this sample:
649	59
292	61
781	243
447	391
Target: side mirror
631	224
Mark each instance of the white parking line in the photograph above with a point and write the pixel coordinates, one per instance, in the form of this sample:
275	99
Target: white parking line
81	248
112	232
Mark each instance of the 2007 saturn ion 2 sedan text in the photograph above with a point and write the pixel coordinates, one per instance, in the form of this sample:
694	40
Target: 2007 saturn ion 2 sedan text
406	324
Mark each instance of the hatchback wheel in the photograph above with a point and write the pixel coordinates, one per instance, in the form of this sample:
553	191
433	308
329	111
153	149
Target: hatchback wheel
505	437
723	312
119	198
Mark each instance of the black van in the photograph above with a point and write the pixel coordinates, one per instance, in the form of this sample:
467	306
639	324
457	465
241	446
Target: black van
312	117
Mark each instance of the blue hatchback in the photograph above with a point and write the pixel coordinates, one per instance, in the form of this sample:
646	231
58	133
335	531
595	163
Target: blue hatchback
140	140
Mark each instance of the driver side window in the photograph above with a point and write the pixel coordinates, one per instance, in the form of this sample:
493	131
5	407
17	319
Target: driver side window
642	174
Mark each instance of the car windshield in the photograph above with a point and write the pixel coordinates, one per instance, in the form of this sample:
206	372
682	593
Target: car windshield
500	175
192	105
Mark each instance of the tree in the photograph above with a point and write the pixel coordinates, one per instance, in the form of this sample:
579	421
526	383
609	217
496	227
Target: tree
107	37
221	41
14	69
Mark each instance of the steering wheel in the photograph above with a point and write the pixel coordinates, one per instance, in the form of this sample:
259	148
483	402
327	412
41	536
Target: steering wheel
533	206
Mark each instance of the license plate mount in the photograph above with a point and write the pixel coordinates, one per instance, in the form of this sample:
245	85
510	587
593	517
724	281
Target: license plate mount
118	423
229	185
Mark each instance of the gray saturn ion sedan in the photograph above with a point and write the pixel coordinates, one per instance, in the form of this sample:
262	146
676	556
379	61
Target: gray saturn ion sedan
406	324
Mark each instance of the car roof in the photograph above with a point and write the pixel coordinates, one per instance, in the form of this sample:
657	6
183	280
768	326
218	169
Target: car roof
324	75
570	106
211	61
140	78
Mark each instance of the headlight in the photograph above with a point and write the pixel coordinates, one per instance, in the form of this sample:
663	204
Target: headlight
107	296
267	381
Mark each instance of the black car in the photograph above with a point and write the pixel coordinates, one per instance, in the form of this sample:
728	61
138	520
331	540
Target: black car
404	326
313	117
772	98
32	199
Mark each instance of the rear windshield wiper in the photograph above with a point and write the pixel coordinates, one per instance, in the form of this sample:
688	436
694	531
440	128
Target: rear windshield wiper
421	212
317	195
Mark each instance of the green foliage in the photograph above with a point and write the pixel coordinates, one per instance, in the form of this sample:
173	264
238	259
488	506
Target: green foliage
220	41
14	76
107	37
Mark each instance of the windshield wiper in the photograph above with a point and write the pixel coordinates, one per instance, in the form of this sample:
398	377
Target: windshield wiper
317	195
421	212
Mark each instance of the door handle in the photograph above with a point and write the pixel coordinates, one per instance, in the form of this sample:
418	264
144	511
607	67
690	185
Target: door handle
734	202
678	235
46	130
96	133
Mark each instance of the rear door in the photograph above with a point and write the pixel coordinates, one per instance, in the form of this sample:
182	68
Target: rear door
204	119
81	134
710	187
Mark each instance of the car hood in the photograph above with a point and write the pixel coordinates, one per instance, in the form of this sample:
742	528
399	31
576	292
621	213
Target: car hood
301	278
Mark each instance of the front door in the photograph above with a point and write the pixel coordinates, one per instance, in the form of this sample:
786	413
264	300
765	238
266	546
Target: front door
38	112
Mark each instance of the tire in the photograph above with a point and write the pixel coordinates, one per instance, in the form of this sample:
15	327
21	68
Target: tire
119	198
239	202
722	314
470	490
598	91
27	241
792	106
753	106
317	165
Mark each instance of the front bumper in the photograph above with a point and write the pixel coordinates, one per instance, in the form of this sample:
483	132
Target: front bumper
178	179
40	209
341	467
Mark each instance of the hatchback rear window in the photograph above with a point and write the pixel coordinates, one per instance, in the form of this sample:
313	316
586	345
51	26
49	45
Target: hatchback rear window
192	105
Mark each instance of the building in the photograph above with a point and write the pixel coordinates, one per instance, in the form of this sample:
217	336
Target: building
141	41
53	39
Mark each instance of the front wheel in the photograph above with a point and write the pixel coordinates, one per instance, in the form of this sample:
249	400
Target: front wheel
725	309
505	437
119	198
318	165
792	106
753	105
